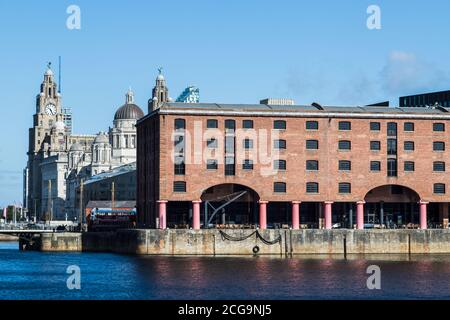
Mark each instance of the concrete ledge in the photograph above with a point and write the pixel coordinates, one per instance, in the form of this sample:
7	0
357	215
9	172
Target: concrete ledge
246	242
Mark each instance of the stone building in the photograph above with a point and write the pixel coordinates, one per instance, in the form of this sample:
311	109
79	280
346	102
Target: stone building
291	165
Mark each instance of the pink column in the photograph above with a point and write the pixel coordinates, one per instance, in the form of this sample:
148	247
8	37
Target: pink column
360	215
423	215
328	215
162	214
296	215
196	214
263	214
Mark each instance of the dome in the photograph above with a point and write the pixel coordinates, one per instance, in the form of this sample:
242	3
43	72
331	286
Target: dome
101	138
76	147
129	112
49	72
59	126
160	77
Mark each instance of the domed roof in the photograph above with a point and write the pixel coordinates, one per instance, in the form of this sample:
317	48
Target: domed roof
76	147
59	126
101	138
129	112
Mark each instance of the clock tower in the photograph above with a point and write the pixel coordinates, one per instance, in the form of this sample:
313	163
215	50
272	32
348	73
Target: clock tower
48	114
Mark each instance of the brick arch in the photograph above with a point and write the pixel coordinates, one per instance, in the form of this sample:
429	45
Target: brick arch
224	189
413	193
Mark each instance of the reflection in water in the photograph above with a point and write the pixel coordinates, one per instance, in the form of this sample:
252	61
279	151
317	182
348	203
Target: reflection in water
33	275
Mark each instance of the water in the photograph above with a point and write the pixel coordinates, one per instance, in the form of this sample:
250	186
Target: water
35	275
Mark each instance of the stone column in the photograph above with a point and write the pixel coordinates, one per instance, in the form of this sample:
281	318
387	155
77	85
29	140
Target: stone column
263	214
328	215
382	213
296	215
162	214
360	215
196	214
423	215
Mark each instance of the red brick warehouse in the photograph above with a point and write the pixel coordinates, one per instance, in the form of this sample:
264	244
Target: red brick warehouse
281	165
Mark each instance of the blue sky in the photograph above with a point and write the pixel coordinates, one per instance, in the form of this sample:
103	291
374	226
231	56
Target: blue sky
235	51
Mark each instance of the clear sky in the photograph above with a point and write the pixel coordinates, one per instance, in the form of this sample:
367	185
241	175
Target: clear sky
234	50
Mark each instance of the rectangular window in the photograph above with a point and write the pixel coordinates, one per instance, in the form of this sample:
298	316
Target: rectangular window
439	188
248	144
179	167
375	166
392	147
179	186
345	188
312	125
375	126
375	145
345	126
230	168
438	127
247	165
211	165
230	125
392	129
247	124
345	145
312	187
409	166
438	146
279	165
392	167
312	165
409	126
212	143
280	144
212	124
180	124
409	146
279	125
279	187
345	165
439	166
312	144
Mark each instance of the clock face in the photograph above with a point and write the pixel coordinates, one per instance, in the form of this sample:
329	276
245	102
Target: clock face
50	109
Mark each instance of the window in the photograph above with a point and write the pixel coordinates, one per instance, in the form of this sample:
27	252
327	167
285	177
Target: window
179	167
439	127
392	147
180	124
212	143
345	126
438	146
312	187
409	146
279	187
248	144
230	125
375	126
392	129
247	124
312	125
345	188
247	165
312	144
212	124
392	167
375	166
439	166
279	165
345	145
409	166
409	126
279	125
179	186
375	145
439	188
211	165
280	144
345	165
230	169
312	165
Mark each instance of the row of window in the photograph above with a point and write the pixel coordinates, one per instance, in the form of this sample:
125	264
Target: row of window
180	124
311	187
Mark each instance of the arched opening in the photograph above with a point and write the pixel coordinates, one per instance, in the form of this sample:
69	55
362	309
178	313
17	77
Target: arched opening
392	206
229	205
